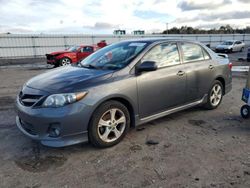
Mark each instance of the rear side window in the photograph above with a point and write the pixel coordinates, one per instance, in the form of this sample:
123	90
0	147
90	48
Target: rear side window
166	54
205	54
193	52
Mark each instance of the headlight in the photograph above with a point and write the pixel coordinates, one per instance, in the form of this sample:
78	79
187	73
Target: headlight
58	100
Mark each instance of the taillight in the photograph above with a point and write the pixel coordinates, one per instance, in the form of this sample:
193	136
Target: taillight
230	65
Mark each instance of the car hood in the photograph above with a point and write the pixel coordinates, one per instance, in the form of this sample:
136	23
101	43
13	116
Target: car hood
223	46
61	52
68	79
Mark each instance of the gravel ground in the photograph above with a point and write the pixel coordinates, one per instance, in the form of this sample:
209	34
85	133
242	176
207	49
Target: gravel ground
196	148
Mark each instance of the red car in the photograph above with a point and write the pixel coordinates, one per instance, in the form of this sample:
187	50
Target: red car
73	54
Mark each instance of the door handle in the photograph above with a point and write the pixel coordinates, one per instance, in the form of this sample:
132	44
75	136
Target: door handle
180	73
211	67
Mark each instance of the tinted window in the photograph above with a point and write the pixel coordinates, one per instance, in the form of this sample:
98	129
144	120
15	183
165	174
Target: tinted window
87	49
163	54
192	52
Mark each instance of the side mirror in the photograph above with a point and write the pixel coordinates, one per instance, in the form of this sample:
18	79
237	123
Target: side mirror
147	66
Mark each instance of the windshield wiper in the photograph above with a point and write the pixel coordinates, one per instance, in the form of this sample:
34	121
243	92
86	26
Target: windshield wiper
89	66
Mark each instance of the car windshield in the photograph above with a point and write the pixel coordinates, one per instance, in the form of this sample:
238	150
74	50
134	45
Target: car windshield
73	48
115	56
227	43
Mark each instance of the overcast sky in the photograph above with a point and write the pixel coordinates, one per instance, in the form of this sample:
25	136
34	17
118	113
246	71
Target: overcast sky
103	16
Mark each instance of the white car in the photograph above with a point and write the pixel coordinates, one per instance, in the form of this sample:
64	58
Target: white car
230	46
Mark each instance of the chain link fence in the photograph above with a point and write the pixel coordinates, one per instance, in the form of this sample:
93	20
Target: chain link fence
25	45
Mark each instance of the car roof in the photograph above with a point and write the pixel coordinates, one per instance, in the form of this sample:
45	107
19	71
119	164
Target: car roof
230	40
159	39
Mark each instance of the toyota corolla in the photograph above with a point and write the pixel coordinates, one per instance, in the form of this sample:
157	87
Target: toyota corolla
120	86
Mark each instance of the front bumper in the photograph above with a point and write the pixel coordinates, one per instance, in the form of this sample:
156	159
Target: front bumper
51	62
72	121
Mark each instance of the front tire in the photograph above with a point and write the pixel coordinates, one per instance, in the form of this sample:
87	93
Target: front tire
109	124
245	111
215	95
65	61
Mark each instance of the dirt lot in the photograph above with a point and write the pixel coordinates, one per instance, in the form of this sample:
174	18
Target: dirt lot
197	148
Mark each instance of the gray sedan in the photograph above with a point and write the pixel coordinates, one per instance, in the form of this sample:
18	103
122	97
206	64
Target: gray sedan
120	86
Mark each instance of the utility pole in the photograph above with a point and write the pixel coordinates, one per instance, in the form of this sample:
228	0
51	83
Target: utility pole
167	27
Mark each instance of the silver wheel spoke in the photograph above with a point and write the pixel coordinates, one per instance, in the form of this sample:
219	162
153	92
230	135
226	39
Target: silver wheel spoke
103	123
212	97
112	114
121	120
106	134
117	133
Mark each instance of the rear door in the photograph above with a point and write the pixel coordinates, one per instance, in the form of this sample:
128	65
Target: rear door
164	88
199	68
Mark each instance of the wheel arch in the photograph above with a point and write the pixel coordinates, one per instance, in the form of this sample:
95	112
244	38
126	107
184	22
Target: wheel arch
126	102
222	81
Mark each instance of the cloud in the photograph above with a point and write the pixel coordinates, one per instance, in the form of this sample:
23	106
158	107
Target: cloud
103	25
103	16
149	14
233	15
193	5
244	1
159	1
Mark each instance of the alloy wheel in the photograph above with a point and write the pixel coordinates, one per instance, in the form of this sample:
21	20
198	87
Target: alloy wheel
111	125
216	95
65	61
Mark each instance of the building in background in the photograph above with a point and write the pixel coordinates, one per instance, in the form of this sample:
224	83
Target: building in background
119	32
138	32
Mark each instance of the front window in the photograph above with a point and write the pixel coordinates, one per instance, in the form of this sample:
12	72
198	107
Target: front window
164	55
73	49
115	56
87	49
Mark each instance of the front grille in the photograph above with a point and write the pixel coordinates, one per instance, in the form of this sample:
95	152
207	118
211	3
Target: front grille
50	57
29	100
28	127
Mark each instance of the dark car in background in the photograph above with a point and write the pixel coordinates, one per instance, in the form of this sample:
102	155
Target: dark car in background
120	86
73	54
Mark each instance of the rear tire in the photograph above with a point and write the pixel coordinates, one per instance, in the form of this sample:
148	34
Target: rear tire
109	124
241	50
245	111
215	95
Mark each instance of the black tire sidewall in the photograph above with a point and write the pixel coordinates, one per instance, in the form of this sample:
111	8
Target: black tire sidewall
241	111
208	105
93	125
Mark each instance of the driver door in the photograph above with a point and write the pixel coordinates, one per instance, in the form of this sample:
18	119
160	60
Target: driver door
84	52
164	88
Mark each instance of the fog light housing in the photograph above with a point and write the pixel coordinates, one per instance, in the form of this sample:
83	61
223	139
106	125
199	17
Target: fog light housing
54	130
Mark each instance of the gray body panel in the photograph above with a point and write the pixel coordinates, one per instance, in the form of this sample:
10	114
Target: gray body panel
150	94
